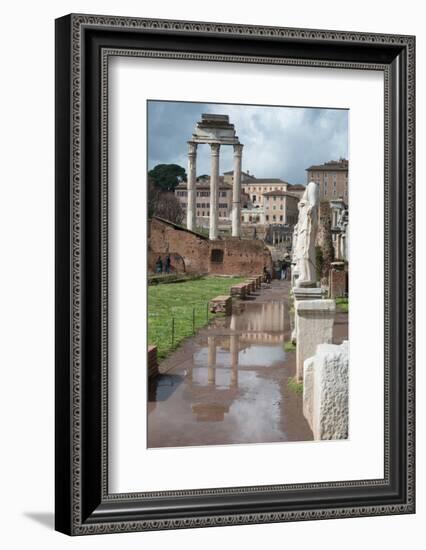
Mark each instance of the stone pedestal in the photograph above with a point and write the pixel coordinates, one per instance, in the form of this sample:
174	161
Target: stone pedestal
303	294
308	293
314	325
325	391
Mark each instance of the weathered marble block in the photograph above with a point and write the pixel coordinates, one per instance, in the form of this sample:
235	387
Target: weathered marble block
304	293
221	304
308	389
314	321
238	290
247	287
256	281
326	391
251	285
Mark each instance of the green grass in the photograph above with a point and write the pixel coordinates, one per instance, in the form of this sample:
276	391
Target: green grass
342	304
295	386
289	346
184	302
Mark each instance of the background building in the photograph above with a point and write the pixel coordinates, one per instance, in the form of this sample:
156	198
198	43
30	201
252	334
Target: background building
266	201
332	178
280	208
256	188
203	197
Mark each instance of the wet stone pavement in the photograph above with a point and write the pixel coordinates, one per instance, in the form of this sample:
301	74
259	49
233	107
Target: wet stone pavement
228	384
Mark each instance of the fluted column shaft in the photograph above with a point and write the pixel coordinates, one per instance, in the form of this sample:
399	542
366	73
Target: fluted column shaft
192	191
236	191
214	190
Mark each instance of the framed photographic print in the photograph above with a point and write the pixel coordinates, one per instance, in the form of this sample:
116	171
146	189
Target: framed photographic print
234	274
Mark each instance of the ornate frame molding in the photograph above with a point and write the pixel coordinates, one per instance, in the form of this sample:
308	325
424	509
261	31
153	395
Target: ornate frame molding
75	502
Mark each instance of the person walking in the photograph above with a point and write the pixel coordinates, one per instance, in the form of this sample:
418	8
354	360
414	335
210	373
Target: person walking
159	265
266	274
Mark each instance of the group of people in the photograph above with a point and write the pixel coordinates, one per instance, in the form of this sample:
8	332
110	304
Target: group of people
282	270
163	268
285	269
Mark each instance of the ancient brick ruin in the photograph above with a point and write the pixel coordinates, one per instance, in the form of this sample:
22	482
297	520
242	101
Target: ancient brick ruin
191	252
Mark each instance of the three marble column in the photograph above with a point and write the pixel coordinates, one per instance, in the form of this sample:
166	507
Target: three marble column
214	189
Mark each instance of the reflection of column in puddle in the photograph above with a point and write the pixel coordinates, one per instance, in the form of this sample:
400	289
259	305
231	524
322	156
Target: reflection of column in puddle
233	346
211	360
234	359
189	374
279	316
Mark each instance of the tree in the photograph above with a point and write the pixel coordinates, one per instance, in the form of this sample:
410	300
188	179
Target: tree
167	176
164	204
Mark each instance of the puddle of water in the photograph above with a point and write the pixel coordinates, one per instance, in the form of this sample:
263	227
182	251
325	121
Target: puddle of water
251	355
228	385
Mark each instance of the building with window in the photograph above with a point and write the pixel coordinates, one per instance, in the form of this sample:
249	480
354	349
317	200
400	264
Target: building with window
203	197
280	208
270	201
332	178
255	188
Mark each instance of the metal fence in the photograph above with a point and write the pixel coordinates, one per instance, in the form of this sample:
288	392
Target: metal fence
183	322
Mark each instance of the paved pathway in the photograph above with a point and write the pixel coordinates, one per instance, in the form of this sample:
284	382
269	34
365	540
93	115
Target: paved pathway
229	383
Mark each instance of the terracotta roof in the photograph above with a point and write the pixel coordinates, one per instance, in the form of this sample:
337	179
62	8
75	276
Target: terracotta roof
179	227
231	173
296	187
255	180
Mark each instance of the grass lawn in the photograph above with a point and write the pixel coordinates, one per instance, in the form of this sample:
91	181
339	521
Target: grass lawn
289	346
187	304
295	386
342	304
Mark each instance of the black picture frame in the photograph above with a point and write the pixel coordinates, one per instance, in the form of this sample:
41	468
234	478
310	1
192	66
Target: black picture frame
83	44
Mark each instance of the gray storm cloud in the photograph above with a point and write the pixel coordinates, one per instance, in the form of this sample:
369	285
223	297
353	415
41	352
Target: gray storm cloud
279	142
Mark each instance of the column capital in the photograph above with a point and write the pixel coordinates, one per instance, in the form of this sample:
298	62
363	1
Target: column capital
215	148
238	149
192	148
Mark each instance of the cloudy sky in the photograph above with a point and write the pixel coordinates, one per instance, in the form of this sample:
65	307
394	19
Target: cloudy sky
279	142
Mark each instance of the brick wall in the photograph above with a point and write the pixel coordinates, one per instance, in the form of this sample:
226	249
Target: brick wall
240	257
189	252
338	283
192	253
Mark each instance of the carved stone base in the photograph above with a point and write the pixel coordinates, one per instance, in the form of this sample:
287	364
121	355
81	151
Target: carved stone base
314	321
